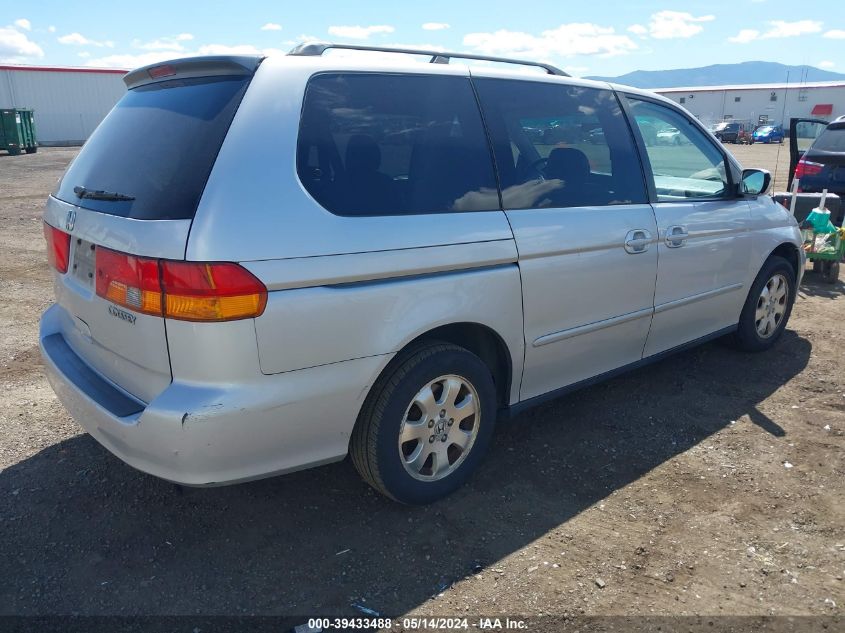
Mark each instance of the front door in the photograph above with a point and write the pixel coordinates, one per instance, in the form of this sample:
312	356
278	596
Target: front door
704	247
574	194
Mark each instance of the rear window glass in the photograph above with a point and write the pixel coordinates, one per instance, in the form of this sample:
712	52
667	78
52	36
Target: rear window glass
831	140
151	156
380	144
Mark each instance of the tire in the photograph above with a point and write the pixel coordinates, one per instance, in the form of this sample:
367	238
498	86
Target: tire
817	266
748	337
830	272
392	406
31	150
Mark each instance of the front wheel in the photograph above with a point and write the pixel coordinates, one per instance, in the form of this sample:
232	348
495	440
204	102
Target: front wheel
426	424
768	306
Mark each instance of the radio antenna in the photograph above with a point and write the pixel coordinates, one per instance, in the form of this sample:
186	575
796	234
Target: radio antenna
782	115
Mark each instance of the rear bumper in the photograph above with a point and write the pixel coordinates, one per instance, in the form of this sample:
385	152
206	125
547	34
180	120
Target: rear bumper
214	434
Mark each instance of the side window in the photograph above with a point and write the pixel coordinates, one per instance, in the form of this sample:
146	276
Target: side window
559	145
382	144
684	161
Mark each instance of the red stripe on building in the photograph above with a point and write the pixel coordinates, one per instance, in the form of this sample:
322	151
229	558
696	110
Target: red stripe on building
823	108
67	69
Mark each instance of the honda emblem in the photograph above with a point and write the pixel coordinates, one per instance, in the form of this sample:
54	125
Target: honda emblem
70	220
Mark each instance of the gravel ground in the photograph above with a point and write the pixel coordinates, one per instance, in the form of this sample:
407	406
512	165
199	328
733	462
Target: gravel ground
709	483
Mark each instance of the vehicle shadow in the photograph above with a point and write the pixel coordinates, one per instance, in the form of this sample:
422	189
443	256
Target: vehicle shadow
812	285
83	533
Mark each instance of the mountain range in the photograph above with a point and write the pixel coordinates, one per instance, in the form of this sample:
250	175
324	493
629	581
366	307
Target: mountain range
724	74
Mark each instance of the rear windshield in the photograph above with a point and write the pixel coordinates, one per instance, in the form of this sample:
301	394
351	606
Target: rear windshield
151	156
832	139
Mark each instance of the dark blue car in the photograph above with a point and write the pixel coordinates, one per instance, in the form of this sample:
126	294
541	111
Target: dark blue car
823	165
768	134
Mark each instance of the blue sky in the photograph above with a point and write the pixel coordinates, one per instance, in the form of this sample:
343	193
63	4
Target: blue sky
604	38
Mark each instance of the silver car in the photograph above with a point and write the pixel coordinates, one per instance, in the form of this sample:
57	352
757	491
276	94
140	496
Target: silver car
263	265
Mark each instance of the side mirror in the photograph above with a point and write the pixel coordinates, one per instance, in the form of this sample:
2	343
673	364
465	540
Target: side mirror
755	182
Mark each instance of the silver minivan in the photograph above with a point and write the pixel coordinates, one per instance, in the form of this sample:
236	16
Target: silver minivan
263	265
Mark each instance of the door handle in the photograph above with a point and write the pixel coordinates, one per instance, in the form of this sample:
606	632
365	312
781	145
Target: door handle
676	236
637	241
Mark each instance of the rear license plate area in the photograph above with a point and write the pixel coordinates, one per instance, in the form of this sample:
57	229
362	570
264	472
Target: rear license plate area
83	262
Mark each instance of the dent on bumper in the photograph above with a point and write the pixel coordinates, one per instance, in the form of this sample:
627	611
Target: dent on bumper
201	435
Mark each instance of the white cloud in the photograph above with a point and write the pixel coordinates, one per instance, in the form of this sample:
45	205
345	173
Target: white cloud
164	43
564	41
16	47
745	36
51	28
129	61
24	24
84	54
271	26
576	71
780	29
666	25
638	29
835	34
826	64
77	39
359	32
435	26
225	49
153	57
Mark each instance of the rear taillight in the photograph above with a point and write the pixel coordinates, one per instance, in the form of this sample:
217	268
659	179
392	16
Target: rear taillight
58	247
129	281
196	291
807	168
189	291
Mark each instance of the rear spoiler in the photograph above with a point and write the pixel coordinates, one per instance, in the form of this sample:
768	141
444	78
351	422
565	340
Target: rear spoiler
216	66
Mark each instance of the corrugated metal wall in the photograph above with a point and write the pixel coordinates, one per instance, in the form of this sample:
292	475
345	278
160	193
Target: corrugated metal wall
68	105
779	104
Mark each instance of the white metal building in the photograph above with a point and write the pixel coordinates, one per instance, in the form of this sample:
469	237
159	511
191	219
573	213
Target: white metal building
763	103
68	102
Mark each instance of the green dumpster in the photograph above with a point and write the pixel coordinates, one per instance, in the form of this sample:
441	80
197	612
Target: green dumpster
17	131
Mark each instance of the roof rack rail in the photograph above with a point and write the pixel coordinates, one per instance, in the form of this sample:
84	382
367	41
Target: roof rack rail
316	49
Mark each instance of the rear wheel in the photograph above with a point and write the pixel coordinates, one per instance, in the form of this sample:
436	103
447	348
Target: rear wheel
31	150
830	271
426	424
768	306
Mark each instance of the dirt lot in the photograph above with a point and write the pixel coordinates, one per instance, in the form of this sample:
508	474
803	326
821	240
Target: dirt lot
710	483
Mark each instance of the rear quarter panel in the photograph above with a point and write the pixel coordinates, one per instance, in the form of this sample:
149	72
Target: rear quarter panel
322	324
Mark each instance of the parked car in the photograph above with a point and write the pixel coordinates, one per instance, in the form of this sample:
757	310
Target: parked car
731	132
303	257
823	164
669	136
768	134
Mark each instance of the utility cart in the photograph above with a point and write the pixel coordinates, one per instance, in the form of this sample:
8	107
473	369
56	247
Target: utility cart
823	242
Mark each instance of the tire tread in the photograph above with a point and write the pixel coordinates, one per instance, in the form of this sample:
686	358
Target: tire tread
363	443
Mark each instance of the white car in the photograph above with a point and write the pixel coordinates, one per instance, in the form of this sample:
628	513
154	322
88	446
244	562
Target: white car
670	136
263	265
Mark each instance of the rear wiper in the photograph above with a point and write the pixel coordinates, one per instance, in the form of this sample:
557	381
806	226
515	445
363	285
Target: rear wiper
82	192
